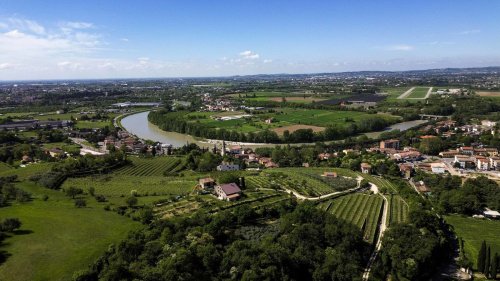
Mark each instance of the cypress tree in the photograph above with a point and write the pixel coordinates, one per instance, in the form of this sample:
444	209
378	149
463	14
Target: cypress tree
481	257
487	263
494	267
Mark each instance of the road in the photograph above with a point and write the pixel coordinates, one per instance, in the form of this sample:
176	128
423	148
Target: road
382	228
88	148
429	93
407	93
302	197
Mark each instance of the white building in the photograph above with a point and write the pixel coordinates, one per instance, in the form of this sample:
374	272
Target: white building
438	168
228	167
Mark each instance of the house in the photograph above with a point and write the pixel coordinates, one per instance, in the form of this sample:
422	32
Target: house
466	150
422	187
26	159
393	143
269	120
329	174
271	164
366	168
228	167
495	163
324	156
206	183
449	153
466	162
229	191
406	170
483	163
56	152
438	168
488	123
491	214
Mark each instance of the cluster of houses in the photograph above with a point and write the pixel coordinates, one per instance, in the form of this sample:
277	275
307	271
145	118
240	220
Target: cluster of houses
228	192
469	157
246	155
449	128
393	149
132	144
216	104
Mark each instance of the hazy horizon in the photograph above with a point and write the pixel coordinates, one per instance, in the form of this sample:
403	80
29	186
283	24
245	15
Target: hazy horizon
55	40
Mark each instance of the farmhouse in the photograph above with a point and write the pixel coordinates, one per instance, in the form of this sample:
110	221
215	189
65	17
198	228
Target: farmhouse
366	168
206	183
56	152
229	191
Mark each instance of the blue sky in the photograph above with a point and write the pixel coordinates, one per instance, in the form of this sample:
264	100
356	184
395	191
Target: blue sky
119	39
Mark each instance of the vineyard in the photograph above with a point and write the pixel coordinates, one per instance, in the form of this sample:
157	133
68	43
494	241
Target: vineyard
158	166
398	211
308	182
142	185
359	209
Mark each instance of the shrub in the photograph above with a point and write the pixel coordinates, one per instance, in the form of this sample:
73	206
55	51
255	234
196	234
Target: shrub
80	203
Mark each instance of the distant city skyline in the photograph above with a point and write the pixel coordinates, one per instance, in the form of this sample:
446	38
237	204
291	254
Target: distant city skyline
136	39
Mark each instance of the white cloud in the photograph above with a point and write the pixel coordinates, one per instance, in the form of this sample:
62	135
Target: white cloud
77	25
24	24
399	47
249	55
267	61
124	39
468	32
6	66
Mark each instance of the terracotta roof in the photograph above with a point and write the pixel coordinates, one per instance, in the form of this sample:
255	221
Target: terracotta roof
230	188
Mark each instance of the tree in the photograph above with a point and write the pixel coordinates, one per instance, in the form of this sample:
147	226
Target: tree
131	201
494	266
73	191
80	203
91	191
10	224
487	263
481	257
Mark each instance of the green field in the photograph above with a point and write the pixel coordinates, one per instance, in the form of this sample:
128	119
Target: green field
473	232
26	172
286	117
418	93
122	185
57	239
157	166
394	93
398	210
308	182
359	209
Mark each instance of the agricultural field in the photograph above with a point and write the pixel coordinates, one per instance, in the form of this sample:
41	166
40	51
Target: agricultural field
418	93
362	210
124	185
158	166
56	239
292	97
474	232
394	93
304	181
398	210
286	117
26	172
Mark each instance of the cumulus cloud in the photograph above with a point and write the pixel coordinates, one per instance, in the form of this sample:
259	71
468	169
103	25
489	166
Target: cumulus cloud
77	25
399	47
249	55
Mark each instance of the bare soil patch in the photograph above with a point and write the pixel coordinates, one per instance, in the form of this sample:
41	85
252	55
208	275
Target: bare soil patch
488	94
293	128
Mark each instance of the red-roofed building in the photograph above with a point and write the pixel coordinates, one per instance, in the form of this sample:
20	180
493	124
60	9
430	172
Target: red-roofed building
228	191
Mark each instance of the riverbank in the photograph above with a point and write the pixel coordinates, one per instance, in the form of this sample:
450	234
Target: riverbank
137	124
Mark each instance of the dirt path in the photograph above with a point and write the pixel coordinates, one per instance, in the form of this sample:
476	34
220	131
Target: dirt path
302	197
407	93
429	93
382	228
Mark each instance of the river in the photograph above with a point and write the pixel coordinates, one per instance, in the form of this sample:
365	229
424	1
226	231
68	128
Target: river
139	125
